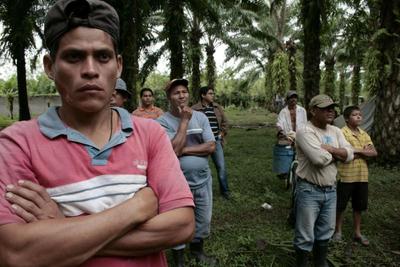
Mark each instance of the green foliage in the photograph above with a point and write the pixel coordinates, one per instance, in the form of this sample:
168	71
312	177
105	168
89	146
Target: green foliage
9	91
42	85
355	84
372	77
280	73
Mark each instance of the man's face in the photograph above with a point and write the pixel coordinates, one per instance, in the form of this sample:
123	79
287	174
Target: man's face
209	96
292	101
324	115
118	99
179	96
85	69
147	99
355	118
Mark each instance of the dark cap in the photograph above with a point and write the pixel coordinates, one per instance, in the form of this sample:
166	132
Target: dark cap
65	15
121	87
322	101
291	93
175	82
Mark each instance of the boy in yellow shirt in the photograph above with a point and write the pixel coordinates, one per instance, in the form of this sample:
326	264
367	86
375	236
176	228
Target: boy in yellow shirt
353	176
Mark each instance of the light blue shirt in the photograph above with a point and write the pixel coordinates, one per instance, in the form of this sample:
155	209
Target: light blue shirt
195	168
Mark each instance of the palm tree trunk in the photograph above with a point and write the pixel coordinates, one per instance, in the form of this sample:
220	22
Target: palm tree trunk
291	50
386	132
210	64
342	90
24	113
330	77
356	84
175	25
195	51
131	22
311	13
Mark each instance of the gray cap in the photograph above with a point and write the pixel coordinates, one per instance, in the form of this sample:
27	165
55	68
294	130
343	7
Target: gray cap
322	101
291	93
65	15
121	87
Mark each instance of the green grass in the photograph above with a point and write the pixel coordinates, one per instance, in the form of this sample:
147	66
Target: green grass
252	117
243	234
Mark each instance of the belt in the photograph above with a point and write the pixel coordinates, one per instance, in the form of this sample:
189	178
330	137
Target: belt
299	179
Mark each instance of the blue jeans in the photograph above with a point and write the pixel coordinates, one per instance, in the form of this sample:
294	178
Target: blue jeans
219	162
315	214
202	212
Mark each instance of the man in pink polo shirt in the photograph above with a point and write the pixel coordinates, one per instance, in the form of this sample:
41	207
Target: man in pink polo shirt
86	184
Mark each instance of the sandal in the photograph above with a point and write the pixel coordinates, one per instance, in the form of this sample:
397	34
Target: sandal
361	240
337	237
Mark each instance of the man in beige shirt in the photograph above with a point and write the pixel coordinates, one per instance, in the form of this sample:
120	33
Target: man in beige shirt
319	145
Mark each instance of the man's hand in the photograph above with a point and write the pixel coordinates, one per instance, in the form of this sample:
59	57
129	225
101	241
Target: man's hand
31	202
337	153
185	112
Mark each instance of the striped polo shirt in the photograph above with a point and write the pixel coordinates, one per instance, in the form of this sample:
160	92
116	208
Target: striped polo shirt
209	112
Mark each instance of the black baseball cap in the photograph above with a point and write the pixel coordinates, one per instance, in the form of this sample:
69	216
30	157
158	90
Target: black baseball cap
66	15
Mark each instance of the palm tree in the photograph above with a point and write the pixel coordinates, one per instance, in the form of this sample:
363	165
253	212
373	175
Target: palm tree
135	37
18	18
311	12
387	112
257	33
210	63
175	24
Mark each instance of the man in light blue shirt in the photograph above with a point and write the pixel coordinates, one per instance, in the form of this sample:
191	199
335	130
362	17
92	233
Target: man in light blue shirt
192	141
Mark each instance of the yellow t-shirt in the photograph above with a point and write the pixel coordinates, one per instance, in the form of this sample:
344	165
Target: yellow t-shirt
357	169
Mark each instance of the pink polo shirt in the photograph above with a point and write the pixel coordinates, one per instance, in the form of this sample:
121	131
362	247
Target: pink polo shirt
83	179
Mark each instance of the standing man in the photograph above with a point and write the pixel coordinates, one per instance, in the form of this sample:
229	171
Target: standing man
121	94
100	188
291	118
147	110
319	146
219	127
192	140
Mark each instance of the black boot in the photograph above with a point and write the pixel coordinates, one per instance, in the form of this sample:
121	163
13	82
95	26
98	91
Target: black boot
197	252
179	257
320	252
301	258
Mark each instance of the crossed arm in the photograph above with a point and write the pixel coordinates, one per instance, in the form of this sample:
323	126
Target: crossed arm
129	229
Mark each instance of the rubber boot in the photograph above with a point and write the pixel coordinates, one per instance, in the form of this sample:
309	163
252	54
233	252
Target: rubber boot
320	252
179	257
301	258
197	252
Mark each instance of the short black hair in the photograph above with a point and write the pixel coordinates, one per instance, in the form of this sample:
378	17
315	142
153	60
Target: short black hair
203	90
347	111
144	90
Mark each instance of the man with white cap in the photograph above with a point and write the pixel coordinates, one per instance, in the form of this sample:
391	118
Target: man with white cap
101	188
319	145
291	118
